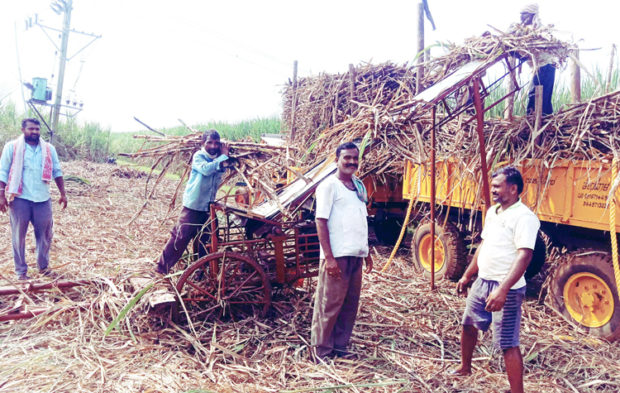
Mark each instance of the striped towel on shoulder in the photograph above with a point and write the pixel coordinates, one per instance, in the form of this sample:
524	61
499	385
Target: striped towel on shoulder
360	189
14	185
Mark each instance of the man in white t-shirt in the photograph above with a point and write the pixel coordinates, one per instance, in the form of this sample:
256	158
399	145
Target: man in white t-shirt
343	234
508	240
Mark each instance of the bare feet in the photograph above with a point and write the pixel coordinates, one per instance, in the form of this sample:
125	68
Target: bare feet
460	372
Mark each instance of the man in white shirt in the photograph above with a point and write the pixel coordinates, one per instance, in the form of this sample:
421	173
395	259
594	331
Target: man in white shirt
508	240
343	234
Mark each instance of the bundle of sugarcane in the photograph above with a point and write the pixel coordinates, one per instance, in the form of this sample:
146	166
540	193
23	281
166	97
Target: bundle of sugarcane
374	104
398	129
258	166
192	142
522	41
589	132
586	131
325	100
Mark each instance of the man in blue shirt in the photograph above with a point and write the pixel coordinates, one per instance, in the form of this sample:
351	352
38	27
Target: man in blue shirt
207	170
27	165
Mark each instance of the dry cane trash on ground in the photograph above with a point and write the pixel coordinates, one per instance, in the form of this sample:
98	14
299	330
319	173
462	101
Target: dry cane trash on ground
405	338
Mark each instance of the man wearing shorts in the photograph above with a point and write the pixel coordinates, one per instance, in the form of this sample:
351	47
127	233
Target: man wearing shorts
495	298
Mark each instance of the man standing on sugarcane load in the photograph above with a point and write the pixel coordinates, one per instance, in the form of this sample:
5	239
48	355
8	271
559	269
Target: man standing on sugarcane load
343	234
208	166
545	74
508	240
27	166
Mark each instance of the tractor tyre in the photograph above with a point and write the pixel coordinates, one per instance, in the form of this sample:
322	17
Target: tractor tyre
584	292
538	256
450	253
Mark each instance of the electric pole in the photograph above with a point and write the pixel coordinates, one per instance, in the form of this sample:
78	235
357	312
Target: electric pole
40	96
66	30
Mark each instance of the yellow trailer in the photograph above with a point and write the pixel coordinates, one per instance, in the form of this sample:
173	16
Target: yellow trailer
570	199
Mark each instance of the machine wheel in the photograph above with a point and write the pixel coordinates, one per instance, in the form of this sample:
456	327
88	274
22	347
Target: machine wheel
538	256
585	293
450	254
388	229
225	284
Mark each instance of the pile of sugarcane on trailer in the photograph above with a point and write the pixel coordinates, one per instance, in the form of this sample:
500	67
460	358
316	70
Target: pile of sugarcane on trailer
376	105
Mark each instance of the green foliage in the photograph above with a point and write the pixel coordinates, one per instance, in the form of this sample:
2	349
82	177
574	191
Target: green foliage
88	141
126	309
92	142
591	86
10	122
76	179
253	129
364	144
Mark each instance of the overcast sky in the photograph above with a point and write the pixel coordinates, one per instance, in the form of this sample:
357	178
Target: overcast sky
228	60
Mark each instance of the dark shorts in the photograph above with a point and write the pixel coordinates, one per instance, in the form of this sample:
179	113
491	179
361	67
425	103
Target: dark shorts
506	322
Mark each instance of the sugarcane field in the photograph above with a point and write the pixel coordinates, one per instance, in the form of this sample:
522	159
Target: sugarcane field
447	224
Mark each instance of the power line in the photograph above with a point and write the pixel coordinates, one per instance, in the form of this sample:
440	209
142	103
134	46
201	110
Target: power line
19	67
9	94
270	61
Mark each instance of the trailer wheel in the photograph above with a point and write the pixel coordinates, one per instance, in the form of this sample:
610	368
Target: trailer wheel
224	284
450	254
584	292
539	255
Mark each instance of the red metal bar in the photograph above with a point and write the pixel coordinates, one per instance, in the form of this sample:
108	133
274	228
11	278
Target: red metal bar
213	218
483	155
33	287
298	252
33	312
22	315
433	170
243	242
279	254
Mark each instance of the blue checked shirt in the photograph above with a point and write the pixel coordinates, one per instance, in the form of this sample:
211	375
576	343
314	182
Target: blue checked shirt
33	187
203	181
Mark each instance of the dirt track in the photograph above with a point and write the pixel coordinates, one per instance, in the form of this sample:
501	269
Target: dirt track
405	339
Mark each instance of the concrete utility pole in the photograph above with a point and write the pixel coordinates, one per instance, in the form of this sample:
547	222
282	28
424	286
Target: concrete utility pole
66	30
426	56
294	101
420	49
575	84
